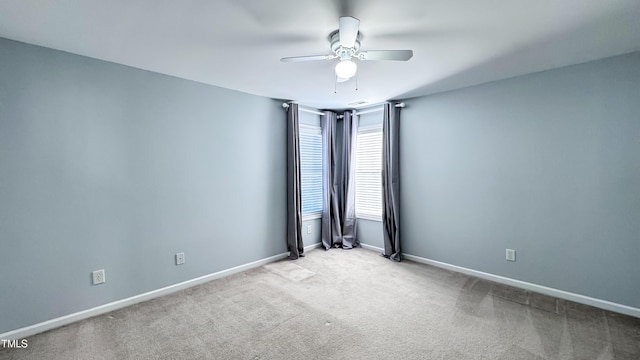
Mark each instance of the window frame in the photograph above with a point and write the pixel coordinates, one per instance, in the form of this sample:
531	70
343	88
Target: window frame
315	130
368	129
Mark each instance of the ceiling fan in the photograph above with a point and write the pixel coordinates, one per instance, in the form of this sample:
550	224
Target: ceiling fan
345	43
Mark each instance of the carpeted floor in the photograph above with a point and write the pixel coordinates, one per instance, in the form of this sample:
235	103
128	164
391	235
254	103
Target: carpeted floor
342	304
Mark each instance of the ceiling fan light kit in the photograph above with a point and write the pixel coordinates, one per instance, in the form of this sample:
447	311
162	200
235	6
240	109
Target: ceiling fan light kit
345	44
346	69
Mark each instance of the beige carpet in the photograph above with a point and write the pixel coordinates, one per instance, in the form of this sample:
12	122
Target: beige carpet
345	304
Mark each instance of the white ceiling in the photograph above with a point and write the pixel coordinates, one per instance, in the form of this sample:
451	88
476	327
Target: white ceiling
237	44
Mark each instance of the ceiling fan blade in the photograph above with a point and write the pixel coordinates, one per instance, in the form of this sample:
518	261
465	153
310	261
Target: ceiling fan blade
307	58
348	31
395	55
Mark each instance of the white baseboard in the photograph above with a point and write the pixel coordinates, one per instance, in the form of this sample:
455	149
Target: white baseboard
371	247
582	299
561	294
312	246
103	309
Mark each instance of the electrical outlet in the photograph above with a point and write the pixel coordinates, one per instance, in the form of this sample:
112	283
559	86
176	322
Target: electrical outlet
97	277
308	229
511	255
179	258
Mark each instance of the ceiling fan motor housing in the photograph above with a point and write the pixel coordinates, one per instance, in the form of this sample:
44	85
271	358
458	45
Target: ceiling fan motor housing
343	52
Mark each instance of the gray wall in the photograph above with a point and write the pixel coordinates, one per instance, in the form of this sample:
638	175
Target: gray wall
313	237
547	164
370	233
106	166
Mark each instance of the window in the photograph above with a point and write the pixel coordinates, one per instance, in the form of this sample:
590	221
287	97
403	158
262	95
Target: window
369	172
311	170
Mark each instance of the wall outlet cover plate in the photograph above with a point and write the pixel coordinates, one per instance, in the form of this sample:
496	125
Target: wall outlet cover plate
97	277
179	258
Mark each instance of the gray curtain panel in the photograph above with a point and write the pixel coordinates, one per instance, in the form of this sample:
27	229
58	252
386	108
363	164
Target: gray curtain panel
294	185
391	181
348	196
331	224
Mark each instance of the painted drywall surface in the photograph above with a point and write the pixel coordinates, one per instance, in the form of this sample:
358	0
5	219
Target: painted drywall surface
547	164
370	233
313	237
104	166
372	118
308	118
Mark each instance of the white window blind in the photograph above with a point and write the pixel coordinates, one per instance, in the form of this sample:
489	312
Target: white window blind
311	170
369	172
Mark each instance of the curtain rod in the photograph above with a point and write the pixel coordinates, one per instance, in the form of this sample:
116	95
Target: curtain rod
300	108
398	105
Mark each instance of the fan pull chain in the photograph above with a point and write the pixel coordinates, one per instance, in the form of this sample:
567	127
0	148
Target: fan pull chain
335	85
356	82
